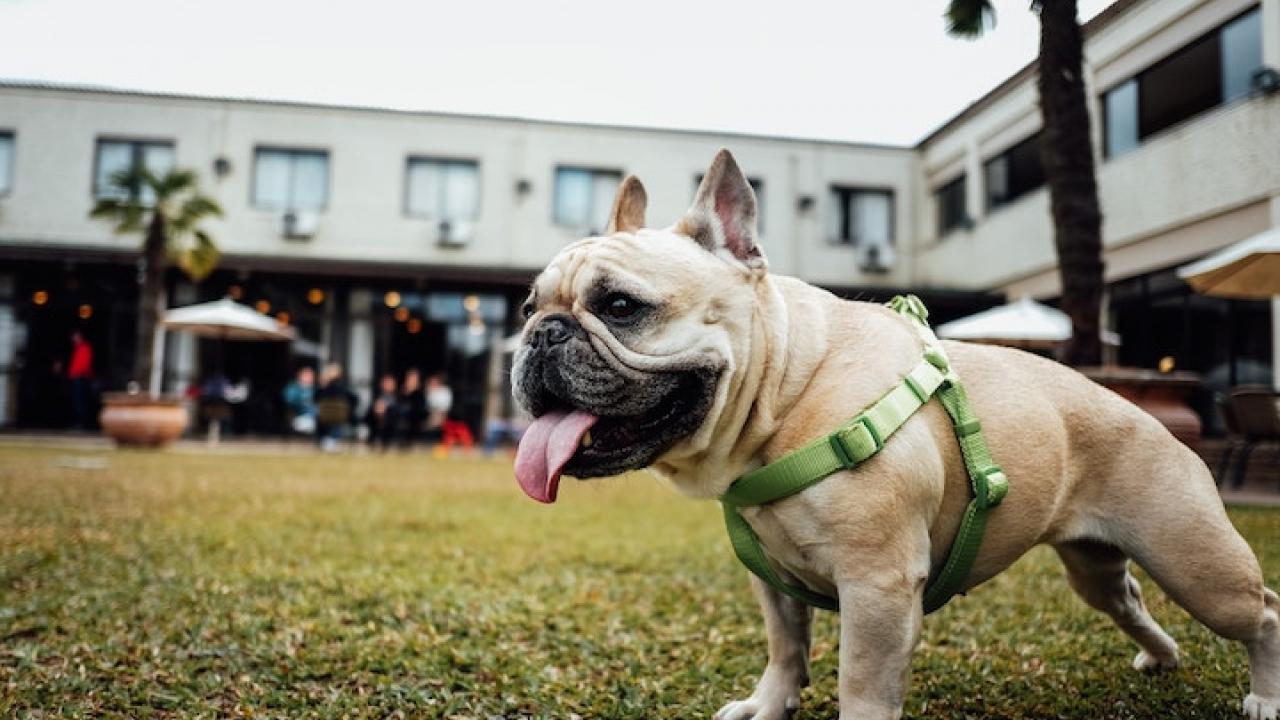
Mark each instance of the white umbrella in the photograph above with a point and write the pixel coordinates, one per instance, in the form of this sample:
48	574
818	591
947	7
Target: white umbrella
1250	269
225	319
1023	322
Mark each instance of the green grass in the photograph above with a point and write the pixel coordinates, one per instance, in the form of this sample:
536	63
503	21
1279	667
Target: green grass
167	585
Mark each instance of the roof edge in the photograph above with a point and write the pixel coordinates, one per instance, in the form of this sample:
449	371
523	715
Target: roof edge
1095	24
73	87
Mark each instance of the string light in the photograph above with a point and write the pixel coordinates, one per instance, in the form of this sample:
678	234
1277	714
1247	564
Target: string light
392	298
402	314
40	297
414	326
263	306
282	317
235	292
85	311
315	296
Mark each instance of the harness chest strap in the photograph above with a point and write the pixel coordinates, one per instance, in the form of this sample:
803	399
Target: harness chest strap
856	442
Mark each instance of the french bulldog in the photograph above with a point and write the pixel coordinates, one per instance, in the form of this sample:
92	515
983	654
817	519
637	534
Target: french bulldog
675	349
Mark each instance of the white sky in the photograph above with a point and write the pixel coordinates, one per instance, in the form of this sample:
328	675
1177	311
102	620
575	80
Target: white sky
854	69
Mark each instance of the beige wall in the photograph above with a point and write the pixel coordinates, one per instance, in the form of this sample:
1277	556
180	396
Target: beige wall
56	132
1187	191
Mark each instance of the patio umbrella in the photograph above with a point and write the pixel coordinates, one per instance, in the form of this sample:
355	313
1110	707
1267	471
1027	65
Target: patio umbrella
1022	323
225	319
1248	270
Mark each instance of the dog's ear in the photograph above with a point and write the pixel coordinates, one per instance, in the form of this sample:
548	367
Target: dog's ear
628	207
723	215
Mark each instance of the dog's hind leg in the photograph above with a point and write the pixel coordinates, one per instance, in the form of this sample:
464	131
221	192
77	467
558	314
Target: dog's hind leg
1099	573
1175	527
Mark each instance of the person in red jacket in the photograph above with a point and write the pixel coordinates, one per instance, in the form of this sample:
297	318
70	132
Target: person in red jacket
80	373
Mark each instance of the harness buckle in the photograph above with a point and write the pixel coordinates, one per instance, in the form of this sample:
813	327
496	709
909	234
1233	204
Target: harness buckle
856	442
994	487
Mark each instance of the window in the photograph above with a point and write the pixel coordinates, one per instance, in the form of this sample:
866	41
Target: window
446	190
1215	69
118	155
584	197
757	186
290	179
1013	173
1120	111
953	211
862	216
6	162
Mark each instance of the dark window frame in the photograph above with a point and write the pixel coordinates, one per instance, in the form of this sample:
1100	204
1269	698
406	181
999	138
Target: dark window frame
12	137
1214	34
946	226
292	151
990	202
441	160
843	194
555	185
136	147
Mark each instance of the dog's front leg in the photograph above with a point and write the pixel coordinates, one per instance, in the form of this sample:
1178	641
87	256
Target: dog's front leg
880	619
787	624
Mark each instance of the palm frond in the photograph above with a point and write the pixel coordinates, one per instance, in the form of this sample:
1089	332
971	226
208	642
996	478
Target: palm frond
174	182
201	258
970	19
199	207
107	208
125	213
175	199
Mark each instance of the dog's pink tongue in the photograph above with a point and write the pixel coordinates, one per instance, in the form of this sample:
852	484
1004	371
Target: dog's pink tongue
545	448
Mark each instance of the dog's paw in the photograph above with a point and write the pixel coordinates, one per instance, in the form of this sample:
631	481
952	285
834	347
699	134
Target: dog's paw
756	709
1148	662
1260	708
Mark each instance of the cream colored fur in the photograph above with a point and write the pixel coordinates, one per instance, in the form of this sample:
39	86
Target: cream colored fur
1090	473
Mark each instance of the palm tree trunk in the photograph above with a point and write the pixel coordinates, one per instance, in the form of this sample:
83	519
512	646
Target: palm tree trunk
1067	155
153	267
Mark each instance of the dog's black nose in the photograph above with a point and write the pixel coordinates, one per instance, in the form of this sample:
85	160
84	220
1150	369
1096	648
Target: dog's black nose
554	330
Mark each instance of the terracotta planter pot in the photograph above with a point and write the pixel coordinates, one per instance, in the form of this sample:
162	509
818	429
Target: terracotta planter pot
1164	395
141	420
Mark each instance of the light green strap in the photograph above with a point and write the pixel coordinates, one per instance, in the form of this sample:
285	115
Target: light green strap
990	485
859	440
749	550
843	449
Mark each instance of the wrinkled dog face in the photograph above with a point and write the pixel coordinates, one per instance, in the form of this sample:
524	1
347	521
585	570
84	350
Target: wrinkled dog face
565	364
625	343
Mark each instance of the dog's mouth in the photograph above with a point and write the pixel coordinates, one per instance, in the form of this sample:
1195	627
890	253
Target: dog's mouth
571	441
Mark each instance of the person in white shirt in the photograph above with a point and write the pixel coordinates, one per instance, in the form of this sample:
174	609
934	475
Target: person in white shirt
439	401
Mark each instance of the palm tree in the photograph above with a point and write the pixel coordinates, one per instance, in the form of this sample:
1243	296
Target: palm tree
1067	156
166	211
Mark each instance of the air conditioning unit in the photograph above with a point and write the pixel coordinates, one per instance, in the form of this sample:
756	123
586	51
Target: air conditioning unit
1265	81
454	233
876	257
299	224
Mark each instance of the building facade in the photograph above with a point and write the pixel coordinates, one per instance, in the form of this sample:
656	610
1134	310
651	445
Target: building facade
393	239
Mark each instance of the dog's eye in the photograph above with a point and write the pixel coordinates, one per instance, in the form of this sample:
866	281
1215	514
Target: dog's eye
620	307
527	309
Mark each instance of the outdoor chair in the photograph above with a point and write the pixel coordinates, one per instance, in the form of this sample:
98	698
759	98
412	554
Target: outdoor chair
1257	418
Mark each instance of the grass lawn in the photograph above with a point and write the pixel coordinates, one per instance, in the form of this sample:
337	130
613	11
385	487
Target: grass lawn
165	585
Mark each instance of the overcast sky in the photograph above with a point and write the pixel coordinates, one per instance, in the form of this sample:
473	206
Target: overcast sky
854	70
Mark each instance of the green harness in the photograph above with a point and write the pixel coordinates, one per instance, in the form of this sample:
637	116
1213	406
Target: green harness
856	442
